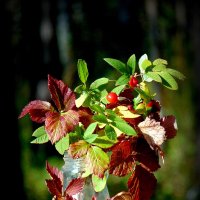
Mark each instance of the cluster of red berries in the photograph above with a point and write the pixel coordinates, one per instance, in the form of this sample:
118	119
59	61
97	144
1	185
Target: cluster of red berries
112	97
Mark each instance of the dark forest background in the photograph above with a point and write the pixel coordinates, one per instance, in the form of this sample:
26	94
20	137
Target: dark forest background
40	37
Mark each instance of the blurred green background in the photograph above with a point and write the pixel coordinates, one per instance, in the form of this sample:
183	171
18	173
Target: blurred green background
40	37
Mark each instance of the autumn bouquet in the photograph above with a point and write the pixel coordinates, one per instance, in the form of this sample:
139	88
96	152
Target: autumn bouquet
114	125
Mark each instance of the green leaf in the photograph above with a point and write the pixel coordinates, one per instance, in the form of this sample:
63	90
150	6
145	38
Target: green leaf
143	63
100	118
132	63
154	76
90	138
119	123
82	70
122	80
41	136
110	132
79	89
97	83
97	161
98	183
90	129
118	89
62	145
97	108
117	64
143	94
176	73
124	127
159	61
159	68
168	81
79	102
103	142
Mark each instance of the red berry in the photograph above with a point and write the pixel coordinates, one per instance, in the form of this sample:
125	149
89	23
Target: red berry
150	104
112	97
133	81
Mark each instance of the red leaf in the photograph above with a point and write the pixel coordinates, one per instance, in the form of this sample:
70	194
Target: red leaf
62	96
78	149
142	184
145	155
75	186
55	184
58	125
37	110
121	159
122	196
169	123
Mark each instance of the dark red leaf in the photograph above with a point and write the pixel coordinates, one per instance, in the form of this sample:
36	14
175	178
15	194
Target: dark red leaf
57	88
37	110
75	186
145	155
55	184
122	196
142	184
121	162
169	123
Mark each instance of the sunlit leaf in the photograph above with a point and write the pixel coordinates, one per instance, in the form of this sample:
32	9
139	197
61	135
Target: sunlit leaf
118	89
98	82
160	61
110	132
78	149
117	64
98	183
132	63
97	161
175	73
153	132
62	145
41	136
122	80
104	142
154	76
81	99
168	81
82	70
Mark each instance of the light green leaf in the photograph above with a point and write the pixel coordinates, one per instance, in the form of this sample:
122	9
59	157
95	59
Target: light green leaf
97	161
90	129
110	132
97	108
176	73
79	89
122	80
132	63
117	64
100	118
79	102
124	127
62	145
168	81
97	83
41	136
98	183
159	68
82	70
90	138
159	61
154	76
118	89
104	142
